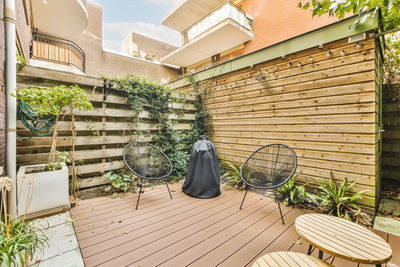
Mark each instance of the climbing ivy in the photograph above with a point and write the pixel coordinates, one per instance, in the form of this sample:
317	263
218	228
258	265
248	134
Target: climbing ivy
154	98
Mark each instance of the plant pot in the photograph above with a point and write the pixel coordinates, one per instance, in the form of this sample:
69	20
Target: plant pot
39	190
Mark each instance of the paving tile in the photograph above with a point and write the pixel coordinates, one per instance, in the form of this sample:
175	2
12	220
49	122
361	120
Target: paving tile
71	258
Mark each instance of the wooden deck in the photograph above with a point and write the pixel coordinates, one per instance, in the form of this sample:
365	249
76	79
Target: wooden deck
188	231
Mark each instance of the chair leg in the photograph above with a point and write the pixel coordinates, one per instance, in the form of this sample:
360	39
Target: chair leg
279	206
140	192
166	183
243	198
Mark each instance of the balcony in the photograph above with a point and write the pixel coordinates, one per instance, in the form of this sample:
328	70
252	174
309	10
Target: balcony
64	18
189	12
57	50
223	29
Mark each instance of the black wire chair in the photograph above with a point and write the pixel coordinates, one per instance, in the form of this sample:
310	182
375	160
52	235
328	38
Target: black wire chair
269	167
147	162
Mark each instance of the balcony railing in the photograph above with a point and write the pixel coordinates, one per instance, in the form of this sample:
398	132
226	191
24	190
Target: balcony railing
227	11
58	50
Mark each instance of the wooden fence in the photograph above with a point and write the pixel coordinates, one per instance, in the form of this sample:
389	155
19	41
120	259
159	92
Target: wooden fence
101	132
391	136
323	102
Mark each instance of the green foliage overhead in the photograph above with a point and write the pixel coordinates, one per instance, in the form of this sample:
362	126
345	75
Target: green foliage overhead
392	61
52	100
339	8
154	98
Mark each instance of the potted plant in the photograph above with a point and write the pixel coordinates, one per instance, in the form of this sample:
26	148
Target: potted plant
20	241
48	181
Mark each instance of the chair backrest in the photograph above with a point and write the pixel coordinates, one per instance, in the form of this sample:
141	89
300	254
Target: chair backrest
146	161
269	167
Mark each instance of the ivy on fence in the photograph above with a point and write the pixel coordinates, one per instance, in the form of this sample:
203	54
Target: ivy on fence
154	98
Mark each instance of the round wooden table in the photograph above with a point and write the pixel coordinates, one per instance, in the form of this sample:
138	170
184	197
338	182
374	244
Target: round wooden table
286	259
343	239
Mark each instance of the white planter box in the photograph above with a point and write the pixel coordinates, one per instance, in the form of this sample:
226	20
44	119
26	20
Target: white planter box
41	190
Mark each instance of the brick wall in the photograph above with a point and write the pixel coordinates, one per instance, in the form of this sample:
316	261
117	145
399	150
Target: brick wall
2	88
23	27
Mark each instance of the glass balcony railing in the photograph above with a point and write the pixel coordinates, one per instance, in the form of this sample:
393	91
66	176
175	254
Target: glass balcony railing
227	11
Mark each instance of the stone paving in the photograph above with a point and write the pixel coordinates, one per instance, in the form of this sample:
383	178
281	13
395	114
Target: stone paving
387	223
63	249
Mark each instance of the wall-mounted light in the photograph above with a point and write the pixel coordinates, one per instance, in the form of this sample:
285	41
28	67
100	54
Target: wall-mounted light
310	58
328	54
275	67
283	56
342	53
358	46
260	77
289	64
321	46
299	64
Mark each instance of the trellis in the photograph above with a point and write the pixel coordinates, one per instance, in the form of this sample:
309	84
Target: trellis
101	133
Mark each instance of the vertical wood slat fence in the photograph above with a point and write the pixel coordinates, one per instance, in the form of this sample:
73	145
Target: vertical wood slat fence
323	102
101	133
391	136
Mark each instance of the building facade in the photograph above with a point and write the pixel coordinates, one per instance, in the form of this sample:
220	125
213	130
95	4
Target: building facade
138	45
218	31
67	35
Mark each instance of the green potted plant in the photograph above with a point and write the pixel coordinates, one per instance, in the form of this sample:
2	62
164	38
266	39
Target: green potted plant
20	241
50	181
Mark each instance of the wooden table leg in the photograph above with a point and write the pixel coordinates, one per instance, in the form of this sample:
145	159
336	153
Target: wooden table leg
309	250
320	254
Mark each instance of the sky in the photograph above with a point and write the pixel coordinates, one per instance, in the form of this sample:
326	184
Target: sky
121	17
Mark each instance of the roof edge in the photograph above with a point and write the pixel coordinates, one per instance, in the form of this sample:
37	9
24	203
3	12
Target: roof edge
329	33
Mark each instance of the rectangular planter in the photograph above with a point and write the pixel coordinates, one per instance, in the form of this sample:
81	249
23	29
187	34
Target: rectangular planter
41	191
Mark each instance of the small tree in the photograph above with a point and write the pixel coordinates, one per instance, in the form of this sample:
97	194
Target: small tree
53	100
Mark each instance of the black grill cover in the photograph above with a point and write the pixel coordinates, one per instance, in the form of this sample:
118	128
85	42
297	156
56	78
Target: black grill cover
203	176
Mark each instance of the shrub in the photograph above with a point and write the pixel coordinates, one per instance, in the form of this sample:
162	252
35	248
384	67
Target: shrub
291	194
120	180
231	173
337	199
53	101
19	240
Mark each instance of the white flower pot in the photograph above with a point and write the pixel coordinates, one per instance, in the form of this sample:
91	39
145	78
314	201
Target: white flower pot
39	191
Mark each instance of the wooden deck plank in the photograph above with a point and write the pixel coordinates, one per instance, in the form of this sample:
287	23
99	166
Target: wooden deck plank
132	245
245	254
192	247
159	219
394	242
145	211
158	241
186	230
147	203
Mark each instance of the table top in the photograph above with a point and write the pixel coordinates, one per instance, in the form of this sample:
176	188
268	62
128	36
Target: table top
285	258
343	239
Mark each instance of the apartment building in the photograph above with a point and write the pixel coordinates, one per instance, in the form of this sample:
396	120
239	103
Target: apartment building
67	35
216	31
